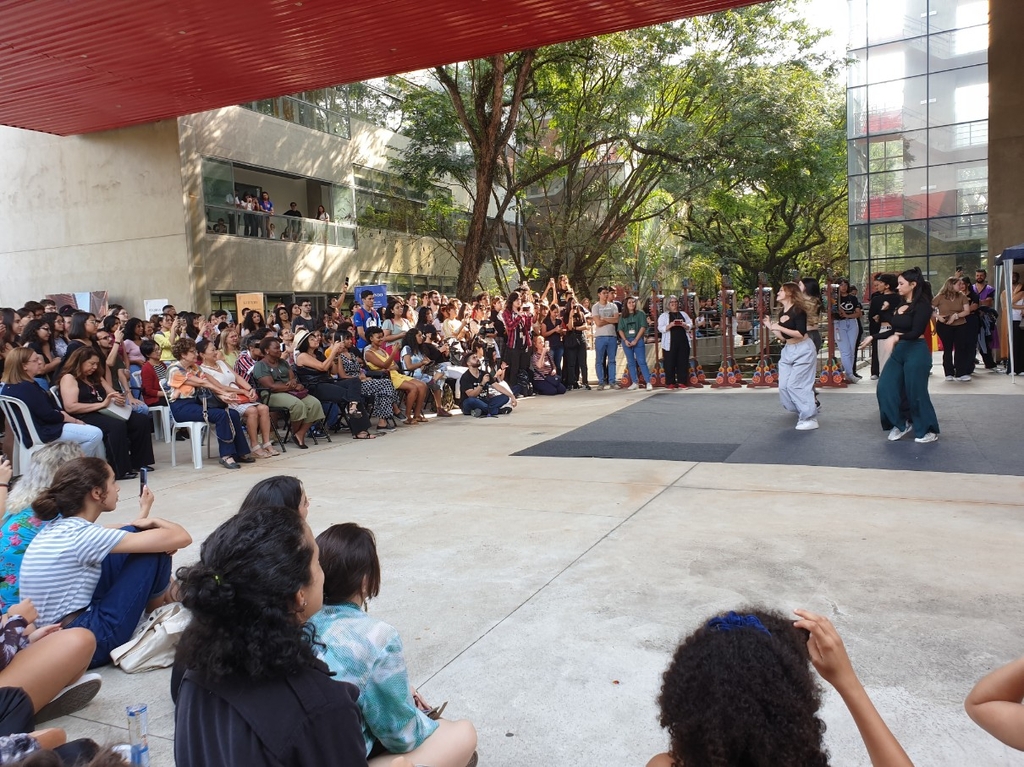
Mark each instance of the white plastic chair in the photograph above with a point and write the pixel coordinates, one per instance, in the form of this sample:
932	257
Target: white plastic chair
198	433
162	422
22	455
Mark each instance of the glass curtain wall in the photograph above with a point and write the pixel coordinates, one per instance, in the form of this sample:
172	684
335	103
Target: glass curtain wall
917	107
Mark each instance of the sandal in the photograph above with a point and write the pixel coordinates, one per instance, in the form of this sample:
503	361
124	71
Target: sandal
442	413
409	421
270	450
364	435
259	452
420	419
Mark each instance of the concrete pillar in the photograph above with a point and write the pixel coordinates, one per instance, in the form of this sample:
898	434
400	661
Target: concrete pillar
1006	126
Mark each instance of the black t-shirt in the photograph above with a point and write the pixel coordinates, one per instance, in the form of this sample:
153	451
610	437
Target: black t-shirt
794	319
848	303
470	381
912	322
886	306
555	339
302	322
296	213
677	335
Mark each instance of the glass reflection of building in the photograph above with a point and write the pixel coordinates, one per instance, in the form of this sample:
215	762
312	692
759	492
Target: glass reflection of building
917	104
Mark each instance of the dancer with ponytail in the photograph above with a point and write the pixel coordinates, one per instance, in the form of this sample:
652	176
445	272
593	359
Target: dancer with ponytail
906	372
798	361
81	574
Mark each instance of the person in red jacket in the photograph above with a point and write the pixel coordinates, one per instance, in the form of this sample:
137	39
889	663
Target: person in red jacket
154	372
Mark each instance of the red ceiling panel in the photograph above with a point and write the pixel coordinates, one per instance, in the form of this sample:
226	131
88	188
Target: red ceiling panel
74	67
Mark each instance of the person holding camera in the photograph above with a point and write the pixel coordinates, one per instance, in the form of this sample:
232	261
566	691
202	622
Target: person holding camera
574	361
476	400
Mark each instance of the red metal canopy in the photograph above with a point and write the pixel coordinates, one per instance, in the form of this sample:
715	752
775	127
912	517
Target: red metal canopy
74	67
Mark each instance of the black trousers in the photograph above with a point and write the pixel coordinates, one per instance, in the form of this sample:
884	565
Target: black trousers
958	344
342	392
129	443
1018	348
677	364
571	365
517	360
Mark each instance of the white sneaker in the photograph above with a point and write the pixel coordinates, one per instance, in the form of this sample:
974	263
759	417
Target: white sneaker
929	437
72	698
632	387
896	433
950	378
964	378
808	425
600	387
650	387
874	378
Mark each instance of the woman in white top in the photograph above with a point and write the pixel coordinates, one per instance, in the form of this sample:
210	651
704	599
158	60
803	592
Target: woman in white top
254	413
321	214
395	325
675	326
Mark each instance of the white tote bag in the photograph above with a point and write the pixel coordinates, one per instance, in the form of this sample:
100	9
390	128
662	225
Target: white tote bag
152	646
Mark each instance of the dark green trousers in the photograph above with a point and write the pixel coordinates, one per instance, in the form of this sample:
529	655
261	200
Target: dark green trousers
906	373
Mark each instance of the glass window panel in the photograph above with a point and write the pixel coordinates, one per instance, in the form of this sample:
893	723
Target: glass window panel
897	152
958	143
856	112
858	23
859	243
898	194
857	67
897	106
344	211
958	234
942	267
218	182
907	58
957	190
905	238
858	198
956	14
896	19
956	49
857	156
958	96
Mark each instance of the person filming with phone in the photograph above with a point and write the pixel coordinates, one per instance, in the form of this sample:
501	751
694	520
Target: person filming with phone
476	400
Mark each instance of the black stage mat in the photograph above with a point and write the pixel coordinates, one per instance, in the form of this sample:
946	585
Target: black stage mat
981	434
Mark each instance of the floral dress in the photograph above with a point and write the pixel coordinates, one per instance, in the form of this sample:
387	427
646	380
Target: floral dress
380	389
17	530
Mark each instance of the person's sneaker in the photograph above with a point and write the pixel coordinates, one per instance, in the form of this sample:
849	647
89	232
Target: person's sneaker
950	378
476	412
72	698
632	387
504	410
929	437
874	378
896	433
650	387
964	378
808	425
600	387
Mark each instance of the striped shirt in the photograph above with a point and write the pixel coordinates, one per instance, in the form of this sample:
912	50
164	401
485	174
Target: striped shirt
62	566
368	653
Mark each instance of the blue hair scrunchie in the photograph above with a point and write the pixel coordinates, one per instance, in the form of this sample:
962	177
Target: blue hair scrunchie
732	620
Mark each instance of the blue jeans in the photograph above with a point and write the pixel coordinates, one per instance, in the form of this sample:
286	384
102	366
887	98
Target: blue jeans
491	405
605	348
89	438
127	583
847	343
636	355
223	420
556	355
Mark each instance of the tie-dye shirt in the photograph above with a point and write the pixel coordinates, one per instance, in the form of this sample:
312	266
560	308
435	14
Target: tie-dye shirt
16	533
368	653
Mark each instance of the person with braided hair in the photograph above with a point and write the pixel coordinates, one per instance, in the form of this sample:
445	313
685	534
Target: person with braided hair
739	691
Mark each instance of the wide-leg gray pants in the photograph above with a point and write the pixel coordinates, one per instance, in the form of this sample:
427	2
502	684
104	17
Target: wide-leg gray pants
798	369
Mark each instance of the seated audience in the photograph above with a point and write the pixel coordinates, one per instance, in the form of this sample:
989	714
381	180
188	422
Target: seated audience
995	704
255	414
764	706
379	392
546	379
197	397
153	373
115	372
377	359
476	399
314	367
368	653
80	574
36	336
276	375
247	685
227	345
416	360
132	343
281	490
86	396
50	423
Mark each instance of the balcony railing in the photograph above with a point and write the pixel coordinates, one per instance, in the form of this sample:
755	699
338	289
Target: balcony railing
304	113
237	222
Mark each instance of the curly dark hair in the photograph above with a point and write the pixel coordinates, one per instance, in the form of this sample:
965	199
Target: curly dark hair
742	698
242	597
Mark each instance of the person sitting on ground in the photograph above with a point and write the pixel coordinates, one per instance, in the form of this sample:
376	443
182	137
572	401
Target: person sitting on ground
282	490
415	391
416	361
189	385
50	423
545	374
153	373
315	370
82	574
476	400
21	744
276	375
490	363
247	685
995	704
368	653
255	414
86	397
764	709
378	390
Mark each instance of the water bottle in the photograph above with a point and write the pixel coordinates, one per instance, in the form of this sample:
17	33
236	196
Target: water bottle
138	726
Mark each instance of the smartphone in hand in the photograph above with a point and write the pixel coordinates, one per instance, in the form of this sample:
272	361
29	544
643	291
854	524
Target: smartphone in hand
143	480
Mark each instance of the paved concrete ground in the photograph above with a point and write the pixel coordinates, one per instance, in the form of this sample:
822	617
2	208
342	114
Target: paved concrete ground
543	596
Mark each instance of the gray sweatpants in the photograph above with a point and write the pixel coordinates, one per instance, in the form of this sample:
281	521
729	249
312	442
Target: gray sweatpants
798	368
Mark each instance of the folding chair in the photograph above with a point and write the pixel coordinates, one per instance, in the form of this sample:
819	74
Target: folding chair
275	413
26	438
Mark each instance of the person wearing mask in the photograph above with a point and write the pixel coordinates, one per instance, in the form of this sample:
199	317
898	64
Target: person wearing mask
632	329
846	314
906	372
675	326
605	316
798	361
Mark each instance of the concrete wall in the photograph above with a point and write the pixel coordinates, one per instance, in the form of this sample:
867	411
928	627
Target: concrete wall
97	212
1006	126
